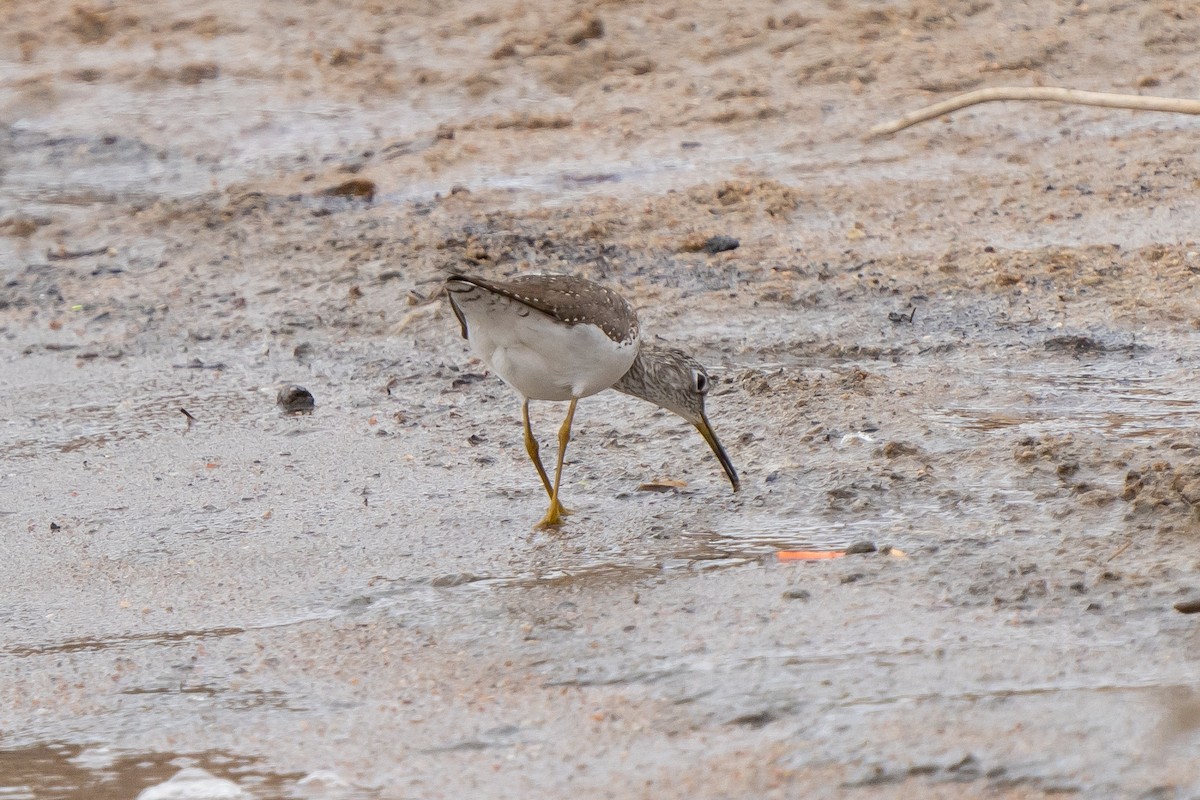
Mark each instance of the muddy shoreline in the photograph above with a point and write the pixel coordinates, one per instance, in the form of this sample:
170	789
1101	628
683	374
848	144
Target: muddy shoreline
971	342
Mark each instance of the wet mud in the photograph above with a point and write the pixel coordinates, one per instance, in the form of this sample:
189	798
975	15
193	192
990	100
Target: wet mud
264	515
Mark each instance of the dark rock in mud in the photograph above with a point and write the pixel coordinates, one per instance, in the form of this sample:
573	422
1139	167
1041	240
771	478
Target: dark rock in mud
720	244
466	379
1078	344
1189	606
302	352
1073	344
797	594
711	245
861	547
192	74
359	188
295	399
756	719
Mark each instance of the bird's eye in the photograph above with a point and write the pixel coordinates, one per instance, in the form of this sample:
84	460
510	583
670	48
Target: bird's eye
701	382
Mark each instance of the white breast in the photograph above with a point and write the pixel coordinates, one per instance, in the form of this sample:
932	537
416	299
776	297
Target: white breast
541	358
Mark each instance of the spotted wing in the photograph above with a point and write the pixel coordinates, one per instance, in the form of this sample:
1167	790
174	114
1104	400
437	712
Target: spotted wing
567	298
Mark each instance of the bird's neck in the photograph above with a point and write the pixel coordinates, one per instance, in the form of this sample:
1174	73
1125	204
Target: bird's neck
640	375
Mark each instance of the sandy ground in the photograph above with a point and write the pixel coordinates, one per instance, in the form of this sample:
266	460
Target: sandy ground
972	342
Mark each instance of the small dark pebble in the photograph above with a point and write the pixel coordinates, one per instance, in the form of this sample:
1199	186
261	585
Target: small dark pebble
191	74
861	547
475	439
359	187
1079	344
797	594
1074	344
757	719
854	576
466	379
1189	606
719	244
54	526
295	399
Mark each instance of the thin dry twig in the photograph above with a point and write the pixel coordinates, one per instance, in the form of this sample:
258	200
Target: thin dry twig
1055	94
1119	550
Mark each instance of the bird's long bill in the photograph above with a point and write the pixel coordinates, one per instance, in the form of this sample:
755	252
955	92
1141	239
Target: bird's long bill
707	432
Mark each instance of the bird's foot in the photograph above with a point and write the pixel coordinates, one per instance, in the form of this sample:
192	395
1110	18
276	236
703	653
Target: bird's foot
554	516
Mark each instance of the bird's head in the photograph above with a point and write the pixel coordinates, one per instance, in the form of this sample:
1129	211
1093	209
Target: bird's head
673	380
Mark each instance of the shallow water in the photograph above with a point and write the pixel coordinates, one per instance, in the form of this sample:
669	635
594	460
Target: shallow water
1101	397
352	603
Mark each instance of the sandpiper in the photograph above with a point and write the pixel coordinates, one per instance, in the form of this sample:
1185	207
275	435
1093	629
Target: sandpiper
562	337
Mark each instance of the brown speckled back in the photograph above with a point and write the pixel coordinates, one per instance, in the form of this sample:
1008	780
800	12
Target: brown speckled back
569	299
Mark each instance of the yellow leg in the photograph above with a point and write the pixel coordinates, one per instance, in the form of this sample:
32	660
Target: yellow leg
554	513
531	447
